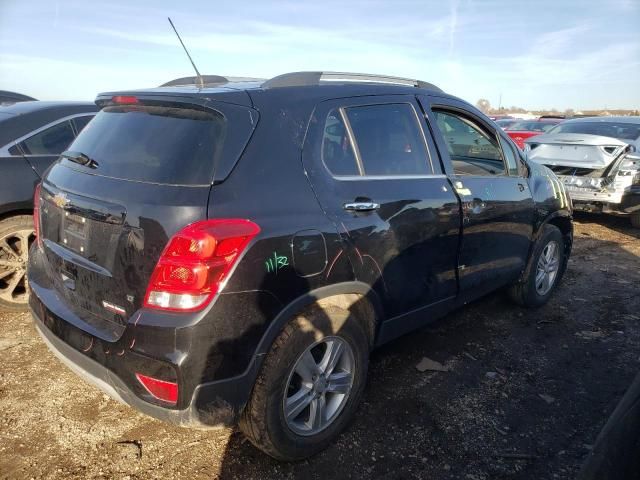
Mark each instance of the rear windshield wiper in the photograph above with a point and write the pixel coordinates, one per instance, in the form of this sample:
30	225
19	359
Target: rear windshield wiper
80	158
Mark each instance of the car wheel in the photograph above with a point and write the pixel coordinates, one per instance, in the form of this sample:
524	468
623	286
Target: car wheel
635	219
309	386
16	236
545	269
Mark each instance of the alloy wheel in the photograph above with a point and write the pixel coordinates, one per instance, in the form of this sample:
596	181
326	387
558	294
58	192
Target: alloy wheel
547	268
319	386
14	253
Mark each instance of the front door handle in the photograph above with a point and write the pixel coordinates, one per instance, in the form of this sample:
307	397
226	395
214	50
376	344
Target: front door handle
361	206
521	187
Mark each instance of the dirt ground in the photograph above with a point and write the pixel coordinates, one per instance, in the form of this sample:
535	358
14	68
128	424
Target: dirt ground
538	384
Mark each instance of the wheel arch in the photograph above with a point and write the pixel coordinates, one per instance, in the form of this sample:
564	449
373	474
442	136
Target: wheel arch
357	297
563	221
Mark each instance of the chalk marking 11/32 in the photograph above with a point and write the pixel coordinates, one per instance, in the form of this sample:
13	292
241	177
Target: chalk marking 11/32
276	262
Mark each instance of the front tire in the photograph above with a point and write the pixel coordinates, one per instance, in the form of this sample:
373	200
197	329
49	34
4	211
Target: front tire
16	236
635	219
544	272
309	386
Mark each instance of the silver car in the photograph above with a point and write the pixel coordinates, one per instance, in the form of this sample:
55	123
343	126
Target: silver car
598	160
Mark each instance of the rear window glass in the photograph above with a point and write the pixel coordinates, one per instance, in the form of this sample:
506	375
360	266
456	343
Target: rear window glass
621	131
154	144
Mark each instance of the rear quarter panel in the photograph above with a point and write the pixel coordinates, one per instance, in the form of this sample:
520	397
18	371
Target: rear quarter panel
298	249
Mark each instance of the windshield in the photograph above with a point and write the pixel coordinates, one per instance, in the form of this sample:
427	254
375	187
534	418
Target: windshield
153	144
619	130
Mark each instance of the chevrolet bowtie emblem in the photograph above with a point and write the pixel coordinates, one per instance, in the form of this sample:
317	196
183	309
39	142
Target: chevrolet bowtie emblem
61	200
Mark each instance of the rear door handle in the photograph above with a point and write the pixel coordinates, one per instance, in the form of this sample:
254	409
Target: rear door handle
361	206
521	187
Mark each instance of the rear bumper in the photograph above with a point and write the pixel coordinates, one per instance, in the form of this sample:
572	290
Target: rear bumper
211	405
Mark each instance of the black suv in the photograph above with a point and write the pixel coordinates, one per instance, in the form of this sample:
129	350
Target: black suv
234	252
32	137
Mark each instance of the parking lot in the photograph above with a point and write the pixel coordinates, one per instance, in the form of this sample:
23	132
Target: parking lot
524	395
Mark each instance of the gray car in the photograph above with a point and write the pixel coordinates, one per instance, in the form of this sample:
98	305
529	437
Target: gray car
598	160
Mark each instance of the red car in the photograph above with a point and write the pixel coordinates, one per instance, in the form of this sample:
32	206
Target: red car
524	129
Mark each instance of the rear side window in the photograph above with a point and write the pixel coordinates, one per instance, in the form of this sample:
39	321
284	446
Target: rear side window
52	141
337	151
387	141
472	150
154	144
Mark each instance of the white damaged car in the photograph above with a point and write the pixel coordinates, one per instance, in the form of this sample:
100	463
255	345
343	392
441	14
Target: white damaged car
598	160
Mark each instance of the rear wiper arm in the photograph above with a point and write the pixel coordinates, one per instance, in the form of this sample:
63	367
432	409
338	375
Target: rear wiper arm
80	158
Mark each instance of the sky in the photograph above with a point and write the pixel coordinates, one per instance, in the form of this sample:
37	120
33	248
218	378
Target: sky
534	54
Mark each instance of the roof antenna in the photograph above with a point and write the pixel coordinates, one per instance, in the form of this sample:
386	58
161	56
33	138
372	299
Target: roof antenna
200	79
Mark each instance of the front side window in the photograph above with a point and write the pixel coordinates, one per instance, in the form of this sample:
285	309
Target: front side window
52	141
472	150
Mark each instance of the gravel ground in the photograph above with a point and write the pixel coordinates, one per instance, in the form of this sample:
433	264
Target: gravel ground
524	395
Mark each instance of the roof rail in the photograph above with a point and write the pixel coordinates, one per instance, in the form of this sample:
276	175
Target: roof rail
302	79
208	80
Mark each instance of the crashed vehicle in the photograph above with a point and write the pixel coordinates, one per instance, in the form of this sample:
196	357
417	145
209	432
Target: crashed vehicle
597	159
232	253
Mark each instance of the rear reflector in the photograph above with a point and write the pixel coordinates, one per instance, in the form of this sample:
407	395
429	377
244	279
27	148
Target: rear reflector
124	99
160	389
196	262
36	214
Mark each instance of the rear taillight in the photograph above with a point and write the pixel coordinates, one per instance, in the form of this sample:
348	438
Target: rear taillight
196	262
160	389
36	215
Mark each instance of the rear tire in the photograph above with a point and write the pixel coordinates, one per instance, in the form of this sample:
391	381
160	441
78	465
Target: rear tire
635	219
544	272
270	420
16	236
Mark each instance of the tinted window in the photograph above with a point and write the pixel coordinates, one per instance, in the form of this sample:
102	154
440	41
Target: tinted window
389	139
15	150
52	141
621	131
154	144
337	152
81	122
472	150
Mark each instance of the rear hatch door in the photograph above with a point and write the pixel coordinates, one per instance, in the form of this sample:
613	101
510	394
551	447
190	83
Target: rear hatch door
136	175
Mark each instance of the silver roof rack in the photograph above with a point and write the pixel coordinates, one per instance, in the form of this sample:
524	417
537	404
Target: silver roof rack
209	80
302	79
